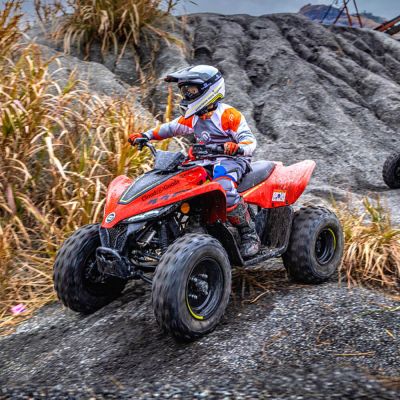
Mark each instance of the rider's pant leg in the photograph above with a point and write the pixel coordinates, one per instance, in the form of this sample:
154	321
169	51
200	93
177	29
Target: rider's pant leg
228	173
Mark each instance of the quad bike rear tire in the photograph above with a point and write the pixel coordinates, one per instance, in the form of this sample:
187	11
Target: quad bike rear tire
315	246
191	286
75	279
391	171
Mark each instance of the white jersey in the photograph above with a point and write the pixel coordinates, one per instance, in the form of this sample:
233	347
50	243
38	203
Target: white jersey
226	124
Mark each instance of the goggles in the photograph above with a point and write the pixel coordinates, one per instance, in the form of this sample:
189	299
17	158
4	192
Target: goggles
190	91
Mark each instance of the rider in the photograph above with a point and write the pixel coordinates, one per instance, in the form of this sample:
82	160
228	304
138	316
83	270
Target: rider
210	121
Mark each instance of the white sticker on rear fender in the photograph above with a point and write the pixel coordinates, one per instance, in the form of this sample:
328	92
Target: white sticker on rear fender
279	195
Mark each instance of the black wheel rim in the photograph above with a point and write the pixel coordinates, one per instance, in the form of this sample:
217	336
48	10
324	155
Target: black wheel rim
325	246
397	172
204	288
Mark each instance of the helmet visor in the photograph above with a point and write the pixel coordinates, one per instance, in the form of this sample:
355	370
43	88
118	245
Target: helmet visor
190	91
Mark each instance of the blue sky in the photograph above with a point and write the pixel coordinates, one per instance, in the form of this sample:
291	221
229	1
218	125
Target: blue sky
383	8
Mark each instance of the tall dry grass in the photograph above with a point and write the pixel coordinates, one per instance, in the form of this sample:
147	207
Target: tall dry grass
60	147
114	24
9	32
372	246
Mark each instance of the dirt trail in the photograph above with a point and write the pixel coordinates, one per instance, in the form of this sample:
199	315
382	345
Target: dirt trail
312	341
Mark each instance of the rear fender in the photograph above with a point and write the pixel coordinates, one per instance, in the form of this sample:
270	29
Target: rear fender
283	187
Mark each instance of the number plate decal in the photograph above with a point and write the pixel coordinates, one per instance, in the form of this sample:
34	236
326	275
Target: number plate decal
279	195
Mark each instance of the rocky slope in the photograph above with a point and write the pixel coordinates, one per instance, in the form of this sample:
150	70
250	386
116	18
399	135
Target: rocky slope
308	91
332	95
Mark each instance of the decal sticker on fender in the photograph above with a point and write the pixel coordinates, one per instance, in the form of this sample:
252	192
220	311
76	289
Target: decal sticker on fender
279	195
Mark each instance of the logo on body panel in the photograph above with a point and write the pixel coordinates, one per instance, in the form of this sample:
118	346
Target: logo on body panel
279	195
110	217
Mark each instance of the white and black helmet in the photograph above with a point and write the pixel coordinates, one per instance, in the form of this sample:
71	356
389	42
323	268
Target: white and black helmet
200	86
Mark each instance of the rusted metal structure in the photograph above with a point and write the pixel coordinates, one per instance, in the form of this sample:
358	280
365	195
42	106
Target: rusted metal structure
345	8
390	27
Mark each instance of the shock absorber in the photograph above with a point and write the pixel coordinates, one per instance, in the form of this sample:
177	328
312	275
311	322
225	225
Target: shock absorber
163	236
147	238
195	225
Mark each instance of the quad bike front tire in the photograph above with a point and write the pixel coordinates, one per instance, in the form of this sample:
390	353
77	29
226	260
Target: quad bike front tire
191	286
76	279
391	171
315	247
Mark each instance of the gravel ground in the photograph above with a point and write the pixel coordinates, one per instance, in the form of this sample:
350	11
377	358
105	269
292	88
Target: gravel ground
295	342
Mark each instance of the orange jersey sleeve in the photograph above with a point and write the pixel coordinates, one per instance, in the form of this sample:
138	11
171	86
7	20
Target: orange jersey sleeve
234	121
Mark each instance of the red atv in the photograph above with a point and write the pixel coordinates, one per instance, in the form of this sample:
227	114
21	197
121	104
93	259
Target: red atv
391	171
172	222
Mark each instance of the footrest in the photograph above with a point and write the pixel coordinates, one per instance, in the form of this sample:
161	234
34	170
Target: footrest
264	254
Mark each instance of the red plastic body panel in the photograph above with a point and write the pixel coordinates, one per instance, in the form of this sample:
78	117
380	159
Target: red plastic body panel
185	185
283	187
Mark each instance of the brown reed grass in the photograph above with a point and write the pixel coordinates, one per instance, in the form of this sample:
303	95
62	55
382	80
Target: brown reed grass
60	147
372	246
114	24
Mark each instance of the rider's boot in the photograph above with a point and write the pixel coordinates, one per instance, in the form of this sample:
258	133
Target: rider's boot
240	218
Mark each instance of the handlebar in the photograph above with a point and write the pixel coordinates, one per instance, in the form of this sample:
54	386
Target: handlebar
204	150
144	142
199	150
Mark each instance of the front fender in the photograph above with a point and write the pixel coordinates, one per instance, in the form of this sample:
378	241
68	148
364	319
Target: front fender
213	204
114	191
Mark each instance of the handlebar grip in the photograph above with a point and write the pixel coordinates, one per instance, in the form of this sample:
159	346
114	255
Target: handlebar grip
204	149
219	149
141	142
215	148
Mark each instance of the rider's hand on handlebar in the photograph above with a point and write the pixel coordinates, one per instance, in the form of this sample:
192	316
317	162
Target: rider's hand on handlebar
133	136
231	148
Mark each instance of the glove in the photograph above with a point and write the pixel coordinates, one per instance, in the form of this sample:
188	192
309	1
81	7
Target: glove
231	148
133	136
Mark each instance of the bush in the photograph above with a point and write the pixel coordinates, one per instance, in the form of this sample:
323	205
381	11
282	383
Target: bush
372	246
114	24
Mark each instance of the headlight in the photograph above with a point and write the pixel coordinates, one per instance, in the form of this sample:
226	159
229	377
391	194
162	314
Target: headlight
158	212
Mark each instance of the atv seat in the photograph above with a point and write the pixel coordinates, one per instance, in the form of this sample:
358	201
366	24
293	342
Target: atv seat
261	170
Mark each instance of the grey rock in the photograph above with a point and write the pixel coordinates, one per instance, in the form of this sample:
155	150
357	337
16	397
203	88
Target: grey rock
100	79
308	92
331	95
